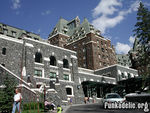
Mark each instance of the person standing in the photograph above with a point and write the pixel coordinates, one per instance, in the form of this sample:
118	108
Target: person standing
17	100
59	109
70	101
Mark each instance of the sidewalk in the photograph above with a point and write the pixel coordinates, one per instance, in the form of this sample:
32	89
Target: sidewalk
65	108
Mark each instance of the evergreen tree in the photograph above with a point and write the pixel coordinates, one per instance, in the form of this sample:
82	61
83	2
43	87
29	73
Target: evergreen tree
6	94
142	32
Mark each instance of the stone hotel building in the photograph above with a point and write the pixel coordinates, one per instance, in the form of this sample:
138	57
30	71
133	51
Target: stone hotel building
75	61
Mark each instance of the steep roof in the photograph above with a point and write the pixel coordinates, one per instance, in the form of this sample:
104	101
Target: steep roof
17	32
73	28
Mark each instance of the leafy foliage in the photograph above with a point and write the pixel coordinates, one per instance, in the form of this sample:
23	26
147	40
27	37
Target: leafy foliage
6	94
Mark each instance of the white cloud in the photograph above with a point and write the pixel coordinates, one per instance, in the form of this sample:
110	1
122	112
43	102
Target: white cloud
105	22
47	12
105	8
122	48
16	4
131	39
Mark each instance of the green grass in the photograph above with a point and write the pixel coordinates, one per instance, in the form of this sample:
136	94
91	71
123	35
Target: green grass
33	111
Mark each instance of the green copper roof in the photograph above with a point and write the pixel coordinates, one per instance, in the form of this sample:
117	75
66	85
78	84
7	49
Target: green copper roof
73	28
17	32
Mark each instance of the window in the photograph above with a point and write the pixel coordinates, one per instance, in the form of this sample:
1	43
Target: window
66	77
69	91
35	38
38	85
4	26
129	75
38	73
99	56
84	49
38	57
103	56
83	43
104	64
52	75
101	42
98	42
100	64
52	61
1	30
75	47
103	50
122	75
84	65
5	31
13	33
84	58
65	63
4	51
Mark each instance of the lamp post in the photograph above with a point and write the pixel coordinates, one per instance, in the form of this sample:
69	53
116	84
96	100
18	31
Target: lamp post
44	97
38	102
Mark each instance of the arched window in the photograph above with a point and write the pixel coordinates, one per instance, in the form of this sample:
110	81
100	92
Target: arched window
38	57
52	61
4	51
69	90
65	63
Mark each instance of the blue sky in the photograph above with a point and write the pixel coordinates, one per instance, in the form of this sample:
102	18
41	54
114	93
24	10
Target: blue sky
114	18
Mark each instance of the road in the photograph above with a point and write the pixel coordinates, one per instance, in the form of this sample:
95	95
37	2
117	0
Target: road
96	108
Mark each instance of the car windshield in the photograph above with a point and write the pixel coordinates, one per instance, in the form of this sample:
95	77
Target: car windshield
113	96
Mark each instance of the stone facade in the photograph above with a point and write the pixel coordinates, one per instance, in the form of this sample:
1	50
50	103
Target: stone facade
117	71
54	69
124	60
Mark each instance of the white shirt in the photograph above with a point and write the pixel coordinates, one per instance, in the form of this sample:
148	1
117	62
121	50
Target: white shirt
17	97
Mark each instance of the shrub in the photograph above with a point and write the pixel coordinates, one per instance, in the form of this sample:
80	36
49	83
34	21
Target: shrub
33	106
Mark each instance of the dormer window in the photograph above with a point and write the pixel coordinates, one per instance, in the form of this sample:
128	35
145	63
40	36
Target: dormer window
13	33
5	31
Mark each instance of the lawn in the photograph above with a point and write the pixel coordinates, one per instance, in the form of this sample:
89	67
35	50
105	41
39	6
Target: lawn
33	111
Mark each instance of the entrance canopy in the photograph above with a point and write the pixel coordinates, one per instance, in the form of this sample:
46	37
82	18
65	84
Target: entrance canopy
98	89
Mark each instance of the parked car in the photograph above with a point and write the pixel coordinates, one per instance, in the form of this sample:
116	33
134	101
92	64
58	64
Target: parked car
138	96
112	97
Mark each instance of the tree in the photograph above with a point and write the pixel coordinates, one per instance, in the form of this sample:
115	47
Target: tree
142	32
6	94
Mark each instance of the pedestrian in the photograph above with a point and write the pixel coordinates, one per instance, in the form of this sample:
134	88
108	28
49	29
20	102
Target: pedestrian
70	101
94	98
85	99
47	104
59	109
52	106
88	99
17	100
